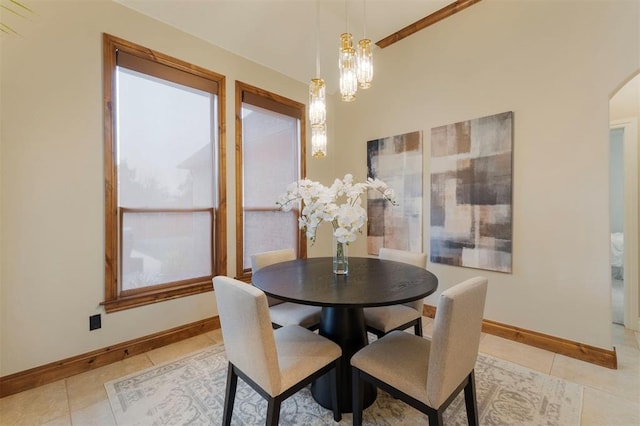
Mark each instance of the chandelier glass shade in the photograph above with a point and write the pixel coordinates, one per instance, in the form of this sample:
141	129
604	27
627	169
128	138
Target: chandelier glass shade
347	66
319	141
364	64
317	102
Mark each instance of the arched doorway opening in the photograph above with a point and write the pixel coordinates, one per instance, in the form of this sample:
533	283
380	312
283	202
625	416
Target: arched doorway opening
624	115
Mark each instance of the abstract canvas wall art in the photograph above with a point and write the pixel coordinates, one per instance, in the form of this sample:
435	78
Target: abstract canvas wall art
471	193
397	160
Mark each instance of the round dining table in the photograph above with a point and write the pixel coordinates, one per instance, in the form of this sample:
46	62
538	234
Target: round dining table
370	282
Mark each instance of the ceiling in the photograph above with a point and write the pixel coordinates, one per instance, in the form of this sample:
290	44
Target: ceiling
281	34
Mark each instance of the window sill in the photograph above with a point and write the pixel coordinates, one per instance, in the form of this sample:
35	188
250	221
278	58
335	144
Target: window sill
156	296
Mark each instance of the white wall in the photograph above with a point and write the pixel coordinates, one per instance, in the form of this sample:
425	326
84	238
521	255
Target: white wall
555	65
52	198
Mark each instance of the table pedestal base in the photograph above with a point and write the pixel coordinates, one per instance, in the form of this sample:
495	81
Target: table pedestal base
346	327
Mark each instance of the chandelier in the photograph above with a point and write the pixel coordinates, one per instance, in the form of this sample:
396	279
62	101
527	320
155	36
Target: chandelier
347	66
318	103
356	70
318	117
356	67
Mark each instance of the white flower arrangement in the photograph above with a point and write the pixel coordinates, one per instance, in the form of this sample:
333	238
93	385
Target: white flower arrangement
339	204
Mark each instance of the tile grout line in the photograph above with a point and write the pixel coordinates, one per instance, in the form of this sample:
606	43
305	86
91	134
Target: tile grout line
553	362
66	391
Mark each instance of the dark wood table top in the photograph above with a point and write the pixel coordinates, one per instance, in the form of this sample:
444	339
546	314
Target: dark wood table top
370	282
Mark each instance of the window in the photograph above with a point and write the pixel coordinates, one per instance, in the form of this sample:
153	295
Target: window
164	176
269	156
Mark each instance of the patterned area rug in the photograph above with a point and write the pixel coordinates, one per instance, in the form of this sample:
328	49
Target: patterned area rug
191	391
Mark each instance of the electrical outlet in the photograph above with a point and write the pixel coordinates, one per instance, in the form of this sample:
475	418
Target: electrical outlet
95	322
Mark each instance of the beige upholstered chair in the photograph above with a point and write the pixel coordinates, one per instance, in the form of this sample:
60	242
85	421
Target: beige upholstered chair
384	319
286	313
275	363
428	374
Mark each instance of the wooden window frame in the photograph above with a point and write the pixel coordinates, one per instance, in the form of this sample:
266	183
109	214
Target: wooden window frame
276	103
115	298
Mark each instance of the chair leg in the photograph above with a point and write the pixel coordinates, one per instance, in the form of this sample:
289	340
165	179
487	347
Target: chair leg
470	400
230	395
357	396
417	329
336	391
273	412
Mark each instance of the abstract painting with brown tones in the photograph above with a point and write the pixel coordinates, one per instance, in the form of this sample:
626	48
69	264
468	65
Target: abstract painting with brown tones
397	160
471	193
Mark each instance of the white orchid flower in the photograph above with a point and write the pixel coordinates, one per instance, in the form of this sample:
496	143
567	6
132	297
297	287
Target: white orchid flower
340	204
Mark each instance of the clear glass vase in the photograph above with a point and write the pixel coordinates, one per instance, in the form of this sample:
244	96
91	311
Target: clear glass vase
340	257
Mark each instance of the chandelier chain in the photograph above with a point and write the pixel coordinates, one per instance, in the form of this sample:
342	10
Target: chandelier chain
317	38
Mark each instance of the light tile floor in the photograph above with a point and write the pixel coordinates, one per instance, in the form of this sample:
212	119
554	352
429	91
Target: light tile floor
611	397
